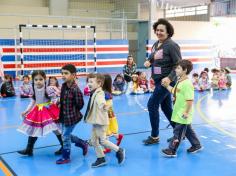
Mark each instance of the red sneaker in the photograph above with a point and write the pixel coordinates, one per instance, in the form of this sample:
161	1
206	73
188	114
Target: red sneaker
120	137
107	150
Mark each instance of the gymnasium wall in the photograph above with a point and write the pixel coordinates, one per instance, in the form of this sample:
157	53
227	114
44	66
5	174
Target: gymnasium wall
111	56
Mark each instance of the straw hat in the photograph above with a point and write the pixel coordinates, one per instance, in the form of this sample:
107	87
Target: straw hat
215	70
227	69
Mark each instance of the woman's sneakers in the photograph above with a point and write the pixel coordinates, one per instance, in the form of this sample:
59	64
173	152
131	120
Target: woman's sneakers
151	140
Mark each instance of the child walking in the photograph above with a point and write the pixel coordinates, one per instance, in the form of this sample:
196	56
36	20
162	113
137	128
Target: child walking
182	112
96	114
41	116
112	129
71	102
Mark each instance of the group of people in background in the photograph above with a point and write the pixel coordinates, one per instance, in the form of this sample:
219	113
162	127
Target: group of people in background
220	79
26	89
131	81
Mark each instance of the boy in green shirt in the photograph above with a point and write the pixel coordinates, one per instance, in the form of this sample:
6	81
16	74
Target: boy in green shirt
183	111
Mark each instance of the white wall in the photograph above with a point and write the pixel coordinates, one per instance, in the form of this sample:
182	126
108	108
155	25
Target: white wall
31	3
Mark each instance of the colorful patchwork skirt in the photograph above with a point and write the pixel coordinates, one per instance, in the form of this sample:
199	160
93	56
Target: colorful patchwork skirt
41	120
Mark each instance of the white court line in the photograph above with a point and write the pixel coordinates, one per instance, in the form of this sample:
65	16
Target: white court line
140	105
216	141
204	137
231	146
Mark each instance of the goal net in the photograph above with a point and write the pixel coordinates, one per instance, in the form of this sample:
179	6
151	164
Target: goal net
49	47
1	65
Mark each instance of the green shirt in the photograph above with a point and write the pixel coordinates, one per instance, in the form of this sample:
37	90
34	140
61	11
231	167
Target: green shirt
184	92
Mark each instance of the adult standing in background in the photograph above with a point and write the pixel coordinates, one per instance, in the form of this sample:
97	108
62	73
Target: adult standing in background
163	59
129	69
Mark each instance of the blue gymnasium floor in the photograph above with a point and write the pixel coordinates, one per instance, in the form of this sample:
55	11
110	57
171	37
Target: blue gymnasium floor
214	122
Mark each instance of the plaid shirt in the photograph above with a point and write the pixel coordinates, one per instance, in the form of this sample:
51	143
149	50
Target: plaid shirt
129	70
71	102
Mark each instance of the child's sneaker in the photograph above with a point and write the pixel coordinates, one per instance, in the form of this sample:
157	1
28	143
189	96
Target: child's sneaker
169	153
120	155
65	157
99	162
194	149
150	140
119	139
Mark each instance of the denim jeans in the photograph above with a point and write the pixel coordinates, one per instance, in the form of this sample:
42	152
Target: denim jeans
180	131
66	136
161	96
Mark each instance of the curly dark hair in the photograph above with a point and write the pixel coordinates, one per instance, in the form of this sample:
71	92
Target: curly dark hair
169	27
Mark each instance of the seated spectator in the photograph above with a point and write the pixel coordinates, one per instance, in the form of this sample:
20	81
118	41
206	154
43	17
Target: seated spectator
118	85
26	90
195	81
204	83
129	69
7	88
215	78
135	89
228	77
222	80
53	89
143	82
206	70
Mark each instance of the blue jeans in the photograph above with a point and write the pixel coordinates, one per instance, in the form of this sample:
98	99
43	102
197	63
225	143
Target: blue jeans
161	96
66	136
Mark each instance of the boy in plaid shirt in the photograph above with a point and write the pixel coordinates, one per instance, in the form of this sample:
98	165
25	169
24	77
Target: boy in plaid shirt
71	102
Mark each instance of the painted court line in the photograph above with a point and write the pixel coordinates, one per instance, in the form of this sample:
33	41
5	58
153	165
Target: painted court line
204	137
6	168
216	141
211	123
231	146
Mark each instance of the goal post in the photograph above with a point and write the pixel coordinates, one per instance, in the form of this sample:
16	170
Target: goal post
49	47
